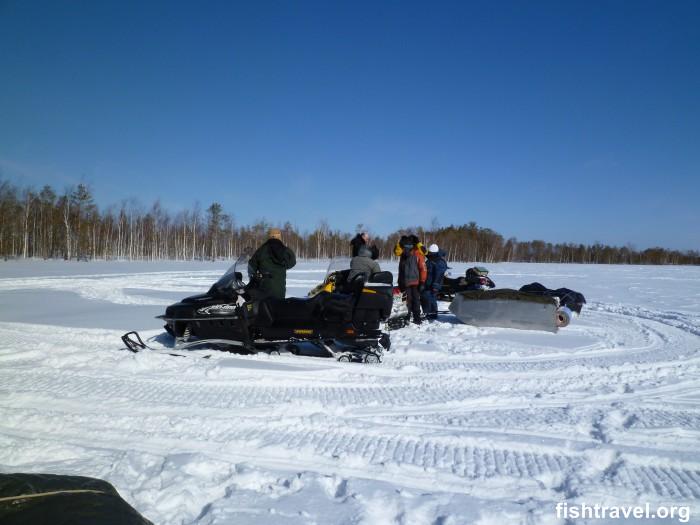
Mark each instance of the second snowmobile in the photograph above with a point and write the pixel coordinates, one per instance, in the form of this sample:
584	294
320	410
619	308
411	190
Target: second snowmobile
476	278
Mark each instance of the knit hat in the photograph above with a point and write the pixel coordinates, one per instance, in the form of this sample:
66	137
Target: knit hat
274	233
433	248
364	251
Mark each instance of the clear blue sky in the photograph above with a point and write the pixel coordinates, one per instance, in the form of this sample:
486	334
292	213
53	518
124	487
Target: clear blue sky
565	121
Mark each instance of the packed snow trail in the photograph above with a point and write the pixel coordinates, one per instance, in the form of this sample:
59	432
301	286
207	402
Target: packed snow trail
458	424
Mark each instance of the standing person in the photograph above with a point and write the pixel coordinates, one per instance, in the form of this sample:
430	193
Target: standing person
363	263
269	264
398	249
412	275
411	239
360	240
437	266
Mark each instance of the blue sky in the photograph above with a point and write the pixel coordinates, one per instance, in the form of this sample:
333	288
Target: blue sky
565	121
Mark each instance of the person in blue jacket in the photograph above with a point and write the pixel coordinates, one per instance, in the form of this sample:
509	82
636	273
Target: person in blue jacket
437	266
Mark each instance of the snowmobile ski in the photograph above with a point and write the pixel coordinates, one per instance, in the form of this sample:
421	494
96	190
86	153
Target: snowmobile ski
133	342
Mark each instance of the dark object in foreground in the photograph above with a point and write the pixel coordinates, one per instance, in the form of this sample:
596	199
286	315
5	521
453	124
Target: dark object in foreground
345	323
48	499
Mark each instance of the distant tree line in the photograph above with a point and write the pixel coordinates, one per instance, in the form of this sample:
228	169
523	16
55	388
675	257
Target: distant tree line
69	225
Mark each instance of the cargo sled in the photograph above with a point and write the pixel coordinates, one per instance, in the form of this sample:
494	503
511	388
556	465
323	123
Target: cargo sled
506	308
533	307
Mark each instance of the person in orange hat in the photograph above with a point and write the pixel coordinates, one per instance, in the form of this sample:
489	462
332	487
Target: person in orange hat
269	264
412	274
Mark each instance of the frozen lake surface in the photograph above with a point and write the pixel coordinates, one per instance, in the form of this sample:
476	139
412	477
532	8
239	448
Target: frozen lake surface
457	425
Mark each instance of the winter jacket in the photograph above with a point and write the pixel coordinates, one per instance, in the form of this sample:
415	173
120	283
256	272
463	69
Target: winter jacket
437	266
362	264
358	242
398	248
412	269
268	267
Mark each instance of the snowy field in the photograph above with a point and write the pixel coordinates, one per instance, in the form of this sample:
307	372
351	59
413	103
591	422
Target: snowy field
458	425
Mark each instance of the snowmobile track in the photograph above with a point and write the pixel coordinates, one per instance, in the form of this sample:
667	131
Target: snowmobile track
609	406
454	456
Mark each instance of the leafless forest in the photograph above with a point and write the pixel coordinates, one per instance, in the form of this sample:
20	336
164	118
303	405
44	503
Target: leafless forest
69	225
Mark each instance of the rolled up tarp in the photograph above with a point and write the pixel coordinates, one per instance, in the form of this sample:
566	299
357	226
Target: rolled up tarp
564	316
506	308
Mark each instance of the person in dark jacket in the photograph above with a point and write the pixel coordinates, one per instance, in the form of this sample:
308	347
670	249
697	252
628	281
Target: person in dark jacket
269	264
412	275
363	263
436	266
360	240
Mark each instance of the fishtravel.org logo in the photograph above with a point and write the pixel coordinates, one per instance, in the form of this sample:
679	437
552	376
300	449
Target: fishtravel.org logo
647	512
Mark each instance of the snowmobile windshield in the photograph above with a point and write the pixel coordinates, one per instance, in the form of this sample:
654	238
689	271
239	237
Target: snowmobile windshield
338	264
235	278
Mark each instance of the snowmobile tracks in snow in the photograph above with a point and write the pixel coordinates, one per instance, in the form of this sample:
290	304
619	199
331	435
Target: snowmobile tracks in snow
384	454
625	337
617	412
371	428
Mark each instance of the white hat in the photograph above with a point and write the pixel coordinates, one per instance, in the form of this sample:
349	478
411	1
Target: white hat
433	248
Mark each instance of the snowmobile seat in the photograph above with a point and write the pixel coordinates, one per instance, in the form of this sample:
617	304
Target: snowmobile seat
381	278
322	307
341	280
355	285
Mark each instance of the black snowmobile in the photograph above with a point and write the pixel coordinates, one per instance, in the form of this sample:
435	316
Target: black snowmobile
476	278
235	316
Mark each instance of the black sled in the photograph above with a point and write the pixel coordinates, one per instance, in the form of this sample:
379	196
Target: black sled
533	307
345	323
473	300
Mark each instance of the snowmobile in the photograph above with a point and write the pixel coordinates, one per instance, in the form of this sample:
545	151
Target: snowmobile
476	278
346	322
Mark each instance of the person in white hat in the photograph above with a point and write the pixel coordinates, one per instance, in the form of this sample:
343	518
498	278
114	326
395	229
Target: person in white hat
437	266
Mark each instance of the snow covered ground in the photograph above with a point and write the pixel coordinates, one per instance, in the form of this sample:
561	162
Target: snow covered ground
458	425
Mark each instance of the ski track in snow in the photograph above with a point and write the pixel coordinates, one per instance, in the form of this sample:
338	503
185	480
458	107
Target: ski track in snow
457	425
